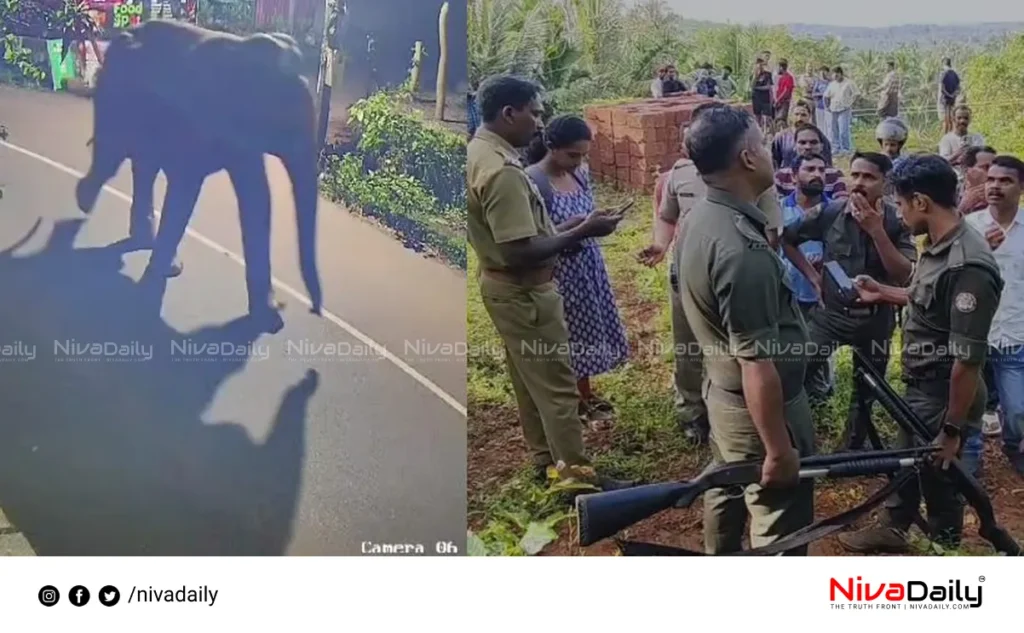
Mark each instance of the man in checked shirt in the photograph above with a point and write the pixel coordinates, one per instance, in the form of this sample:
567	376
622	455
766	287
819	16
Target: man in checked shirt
809	142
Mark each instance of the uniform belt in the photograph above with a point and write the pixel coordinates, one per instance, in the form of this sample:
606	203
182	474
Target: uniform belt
932	385
534	277
857	312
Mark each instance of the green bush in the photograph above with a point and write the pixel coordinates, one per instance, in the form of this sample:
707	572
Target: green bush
17	65
405	173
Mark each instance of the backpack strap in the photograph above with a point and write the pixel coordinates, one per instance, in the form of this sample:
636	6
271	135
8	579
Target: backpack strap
547	192
537	175
831	212
582	178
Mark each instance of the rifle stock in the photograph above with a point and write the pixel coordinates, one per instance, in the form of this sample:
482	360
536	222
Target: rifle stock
604	514
969	487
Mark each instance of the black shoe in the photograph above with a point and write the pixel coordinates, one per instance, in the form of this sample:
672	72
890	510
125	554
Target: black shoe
540	475
697	431
607	483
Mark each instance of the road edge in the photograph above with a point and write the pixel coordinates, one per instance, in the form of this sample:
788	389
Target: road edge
13	542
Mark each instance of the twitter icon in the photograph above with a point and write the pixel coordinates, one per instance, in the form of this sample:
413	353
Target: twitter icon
109	596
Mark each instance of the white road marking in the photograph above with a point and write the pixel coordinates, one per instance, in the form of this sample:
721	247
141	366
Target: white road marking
299	296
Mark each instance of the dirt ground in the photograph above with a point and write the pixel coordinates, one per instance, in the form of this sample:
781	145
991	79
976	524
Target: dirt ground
496	450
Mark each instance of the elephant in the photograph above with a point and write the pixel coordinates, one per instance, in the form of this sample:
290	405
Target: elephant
191	102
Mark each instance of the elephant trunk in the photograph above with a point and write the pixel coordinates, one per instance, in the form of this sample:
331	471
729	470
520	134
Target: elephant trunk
302	171
109	142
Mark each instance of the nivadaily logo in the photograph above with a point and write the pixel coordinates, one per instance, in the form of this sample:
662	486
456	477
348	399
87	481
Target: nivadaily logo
911	594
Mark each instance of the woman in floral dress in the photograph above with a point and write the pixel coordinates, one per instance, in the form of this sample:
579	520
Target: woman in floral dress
597	337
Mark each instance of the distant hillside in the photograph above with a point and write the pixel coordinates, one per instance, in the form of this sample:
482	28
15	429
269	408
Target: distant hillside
922	35
874	38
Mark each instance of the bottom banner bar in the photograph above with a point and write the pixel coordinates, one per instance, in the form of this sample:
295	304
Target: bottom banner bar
503	594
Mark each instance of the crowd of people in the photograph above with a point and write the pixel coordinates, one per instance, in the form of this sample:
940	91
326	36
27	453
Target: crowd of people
775	91
747	222
828	93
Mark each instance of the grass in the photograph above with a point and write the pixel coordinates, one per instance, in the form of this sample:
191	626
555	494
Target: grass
645	442
644	439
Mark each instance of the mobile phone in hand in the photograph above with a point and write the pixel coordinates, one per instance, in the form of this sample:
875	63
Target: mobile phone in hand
625	207
842	280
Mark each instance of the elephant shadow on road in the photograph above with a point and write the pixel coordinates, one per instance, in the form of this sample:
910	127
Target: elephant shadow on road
104	452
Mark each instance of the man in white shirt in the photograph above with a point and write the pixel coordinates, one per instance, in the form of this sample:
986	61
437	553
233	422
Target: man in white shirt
839	99
1003	225
953	145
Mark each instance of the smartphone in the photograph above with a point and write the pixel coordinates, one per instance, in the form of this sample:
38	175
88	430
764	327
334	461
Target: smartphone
625	207
841	279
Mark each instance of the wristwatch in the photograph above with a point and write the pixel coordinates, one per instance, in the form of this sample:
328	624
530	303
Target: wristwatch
951	430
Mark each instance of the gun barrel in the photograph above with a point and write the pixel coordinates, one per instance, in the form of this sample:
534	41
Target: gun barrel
969	487
848	456
862	467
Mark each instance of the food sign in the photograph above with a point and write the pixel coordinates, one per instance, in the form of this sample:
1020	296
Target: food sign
127	15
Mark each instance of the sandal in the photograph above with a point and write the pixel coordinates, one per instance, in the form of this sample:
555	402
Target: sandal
598	410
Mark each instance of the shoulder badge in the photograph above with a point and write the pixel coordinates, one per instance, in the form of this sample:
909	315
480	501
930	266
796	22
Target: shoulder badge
755	240
534	189
965	302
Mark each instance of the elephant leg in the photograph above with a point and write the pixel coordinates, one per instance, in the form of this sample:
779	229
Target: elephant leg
109	147
249	178
105	164
142	223
179	203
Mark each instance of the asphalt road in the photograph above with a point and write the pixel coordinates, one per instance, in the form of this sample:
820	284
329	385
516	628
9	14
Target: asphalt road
134	429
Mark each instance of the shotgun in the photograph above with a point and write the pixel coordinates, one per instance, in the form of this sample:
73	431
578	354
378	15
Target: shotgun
968	487
604	514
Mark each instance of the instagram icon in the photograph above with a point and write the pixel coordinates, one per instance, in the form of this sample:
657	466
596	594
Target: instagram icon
49	596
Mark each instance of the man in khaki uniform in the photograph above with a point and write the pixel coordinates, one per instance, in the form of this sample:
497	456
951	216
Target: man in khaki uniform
683	188
952	299
738	302
516	245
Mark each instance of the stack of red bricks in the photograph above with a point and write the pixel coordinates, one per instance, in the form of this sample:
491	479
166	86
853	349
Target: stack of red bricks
634	142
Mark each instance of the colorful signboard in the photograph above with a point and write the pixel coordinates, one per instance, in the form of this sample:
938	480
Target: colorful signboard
60	70
118	15
90	62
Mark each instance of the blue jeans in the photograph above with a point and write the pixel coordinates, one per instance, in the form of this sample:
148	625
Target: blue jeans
1008	372
990	382
841	122
971	453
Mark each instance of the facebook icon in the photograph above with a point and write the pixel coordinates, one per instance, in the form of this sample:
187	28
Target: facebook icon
79	596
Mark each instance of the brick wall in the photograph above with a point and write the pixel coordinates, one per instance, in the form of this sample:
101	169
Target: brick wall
634	142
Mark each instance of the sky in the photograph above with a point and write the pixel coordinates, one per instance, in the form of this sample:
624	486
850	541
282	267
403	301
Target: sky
874	13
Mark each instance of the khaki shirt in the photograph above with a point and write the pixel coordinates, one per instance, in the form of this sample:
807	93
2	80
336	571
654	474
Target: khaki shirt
736	294
954	294
503	204
684	188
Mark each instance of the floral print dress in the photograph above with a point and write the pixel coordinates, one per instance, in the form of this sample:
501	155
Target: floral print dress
597	337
